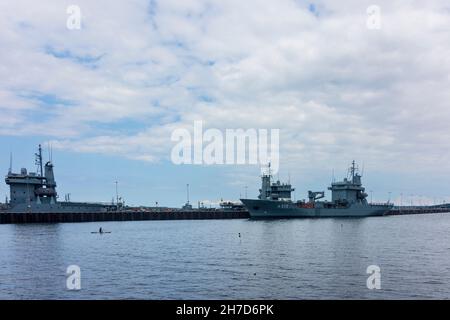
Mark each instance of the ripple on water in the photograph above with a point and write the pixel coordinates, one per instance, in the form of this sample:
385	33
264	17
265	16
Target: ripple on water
279	259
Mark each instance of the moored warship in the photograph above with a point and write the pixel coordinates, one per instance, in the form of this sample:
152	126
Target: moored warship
35	192
348	199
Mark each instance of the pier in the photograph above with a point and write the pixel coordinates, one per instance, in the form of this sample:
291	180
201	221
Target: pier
51	217
396	211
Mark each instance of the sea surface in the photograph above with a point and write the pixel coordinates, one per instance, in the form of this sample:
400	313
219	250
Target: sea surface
206	259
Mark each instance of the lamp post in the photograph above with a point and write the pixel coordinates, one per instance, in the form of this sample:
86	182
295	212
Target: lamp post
117	195
401	201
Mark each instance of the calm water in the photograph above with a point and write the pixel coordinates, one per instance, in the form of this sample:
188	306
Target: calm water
281	259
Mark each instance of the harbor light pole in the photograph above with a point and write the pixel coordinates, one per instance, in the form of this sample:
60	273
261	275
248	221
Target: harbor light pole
187	189
117	196
401	201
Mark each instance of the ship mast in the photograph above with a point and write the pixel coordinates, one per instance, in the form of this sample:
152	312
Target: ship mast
10	163
39	161
353	170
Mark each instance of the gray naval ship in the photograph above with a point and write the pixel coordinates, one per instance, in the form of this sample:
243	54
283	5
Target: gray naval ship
35	192
348	199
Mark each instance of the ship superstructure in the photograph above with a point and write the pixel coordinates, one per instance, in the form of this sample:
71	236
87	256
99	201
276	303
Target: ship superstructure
36	191
274	191
32	188
350	190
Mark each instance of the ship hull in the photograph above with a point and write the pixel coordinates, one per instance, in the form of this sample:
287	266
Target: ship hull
58	208
285	209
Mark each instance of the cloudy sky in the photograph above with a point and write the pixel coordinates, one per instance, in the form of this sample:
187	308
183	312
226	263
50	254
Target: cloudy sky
109	95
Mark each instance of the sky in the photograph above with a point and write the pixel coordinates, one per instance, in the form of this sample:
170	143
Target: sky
108	96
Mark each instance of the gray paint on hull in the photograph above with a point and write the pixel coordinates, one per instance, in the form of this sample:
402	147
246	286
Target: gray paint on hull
284	209
57	208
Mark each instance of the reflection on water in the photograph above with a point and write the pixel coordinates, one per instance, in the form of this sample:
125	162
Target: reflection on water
33	248
273	259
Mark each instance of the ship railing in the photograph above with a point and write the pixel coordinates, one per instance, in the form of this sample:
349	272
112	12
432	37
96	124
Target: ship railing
417	207
87	203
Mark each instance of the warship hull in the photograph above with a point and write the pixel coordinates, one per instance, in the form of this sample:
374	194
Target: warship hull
286	209
60	207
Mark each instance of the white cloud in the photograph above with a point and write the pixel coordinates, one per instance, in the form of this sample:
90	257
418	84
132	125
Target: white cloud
336	89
